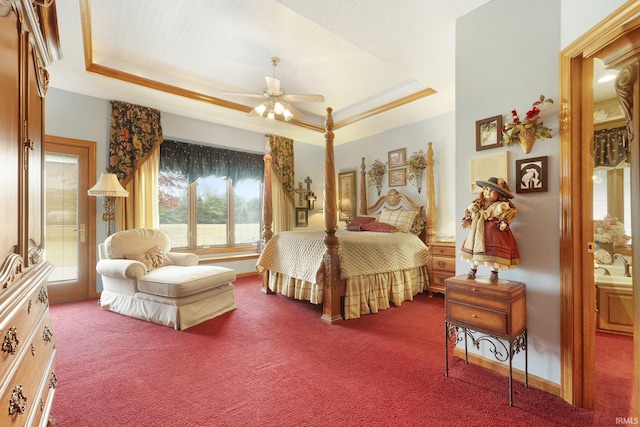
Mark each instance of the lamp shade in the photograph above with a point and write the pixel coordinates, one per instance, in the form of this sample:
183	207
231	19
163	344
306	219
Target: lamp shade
108	185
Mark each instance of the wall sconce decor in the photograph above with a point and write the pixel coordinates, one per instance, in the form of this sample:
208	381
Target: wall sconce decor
311	198
109	187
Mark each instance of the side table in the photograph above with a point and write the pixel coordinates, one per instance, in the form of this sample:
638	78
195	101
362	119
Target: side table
490	312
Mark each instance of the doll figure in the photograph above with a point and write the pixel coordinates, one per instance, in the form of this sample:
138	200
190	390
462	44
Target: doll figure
490	241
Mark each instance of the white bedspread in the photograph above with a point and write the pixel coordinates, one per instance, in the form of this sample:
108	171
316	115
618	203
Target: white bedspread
299	253
379	268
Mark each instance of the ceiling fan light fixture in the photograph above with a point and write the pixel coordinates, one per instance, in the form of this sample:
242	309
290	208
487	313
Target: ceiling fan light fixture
278	108
260	109
288	115
271	116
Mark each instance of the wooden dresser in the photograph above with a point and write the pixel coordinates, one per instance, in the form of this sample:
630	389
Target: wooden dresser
443	264
28	33
487	312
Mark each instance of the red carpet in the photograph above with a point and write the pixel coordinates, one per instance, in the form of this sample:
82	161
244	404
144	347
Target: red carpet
272	362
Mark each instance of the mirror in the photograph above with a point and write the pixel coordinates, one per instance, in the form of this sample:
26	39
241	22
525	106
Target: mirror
611	206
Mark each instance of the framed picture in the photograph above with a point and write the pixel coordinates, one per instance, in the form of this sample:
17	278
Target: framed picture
398	177
302	217
397	158
489	133
484	167
346	195
531	175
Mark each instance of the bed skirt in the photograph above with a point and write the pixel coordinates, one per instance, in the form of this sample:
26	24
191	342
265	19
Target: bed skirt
363	294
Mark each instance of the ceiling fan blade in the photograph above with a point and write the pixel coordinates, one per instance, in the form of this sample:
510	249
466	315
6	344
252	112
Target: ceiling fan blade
305	98
273	84
248	95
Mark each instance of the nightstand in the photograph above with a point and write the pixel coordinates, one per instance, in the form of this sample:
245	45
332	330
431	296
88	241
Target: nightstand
443	264
495	313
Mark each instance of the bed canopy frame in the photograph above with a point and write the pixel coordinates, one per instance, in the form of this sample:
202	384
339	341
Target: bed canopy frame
333	285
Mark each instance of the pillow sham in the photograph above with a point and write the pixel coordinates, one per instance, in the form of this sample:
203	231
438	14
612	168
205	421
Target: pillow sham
380	227
152	259
417	226
357	221
400	219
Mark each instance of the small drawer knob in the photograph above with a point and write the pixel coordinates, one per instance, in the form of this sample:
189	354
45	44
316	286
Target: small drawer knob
474	316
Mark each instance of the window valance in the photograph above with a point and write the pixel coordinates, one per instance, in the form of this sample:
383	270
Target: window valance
196	161
610	147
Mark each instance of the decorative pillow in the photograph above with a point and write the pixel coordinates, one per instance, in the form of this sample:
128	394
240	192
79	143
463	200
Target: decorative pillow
353	227
400	219
152	259
357	221
418	225
381	227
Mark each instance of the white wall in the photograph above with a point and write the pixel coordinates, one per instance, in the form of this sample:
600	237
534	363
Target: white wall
439	130
506	56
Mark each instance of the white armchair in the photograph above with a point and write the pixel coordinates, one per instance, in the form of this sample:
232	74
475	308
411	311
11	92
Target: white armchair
142	278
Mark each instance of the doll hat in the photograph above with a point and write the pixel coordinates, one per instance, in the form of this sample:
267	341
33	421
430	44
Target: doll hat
498	184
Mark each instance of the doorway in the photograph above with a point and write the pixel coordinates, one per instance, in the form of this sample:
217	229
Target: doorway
615	41
69	218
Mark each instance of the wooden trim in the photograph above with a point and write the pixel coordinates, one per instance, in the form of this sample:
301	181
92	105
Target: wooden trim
576	276
92	67
501	368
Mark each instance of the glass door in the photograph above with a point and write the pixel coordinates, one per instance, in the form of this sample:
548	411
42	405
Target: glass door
66	219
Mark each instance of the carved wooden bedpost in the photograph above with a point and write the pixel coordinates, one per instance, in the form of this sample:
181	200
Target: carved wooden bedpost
363	189
430	214
331	293
267	215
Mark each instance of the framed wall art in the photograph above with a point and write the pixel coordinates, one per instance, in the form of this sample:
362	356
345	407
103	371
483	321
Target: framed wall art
397	158
346	195
398	177
302	217
484	167
531	175
489	133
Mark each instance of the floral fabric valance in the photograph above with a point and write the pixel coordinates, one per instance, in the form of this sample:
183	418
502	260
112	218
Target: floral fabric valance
198	161
135	131
610	147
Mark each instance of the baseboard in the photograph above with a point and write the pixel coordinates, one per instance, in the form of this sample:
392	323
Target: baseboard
494	365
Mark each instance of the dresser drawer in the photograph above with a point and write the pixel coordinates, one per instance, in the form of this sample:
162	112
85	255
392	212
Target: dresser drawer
19	322
440	277
477	298
27	379
488	321
443	250
446	264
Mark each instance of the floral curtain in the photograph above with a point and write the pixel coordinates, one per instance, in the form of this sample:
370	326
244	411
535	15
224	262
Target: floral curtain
610	147
283	165
135	131
196	161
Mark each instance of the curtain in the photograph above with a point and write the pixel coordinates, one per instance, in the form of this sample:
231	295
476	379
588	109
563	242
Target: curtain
610	147
197	161
140	209
136	134
283	182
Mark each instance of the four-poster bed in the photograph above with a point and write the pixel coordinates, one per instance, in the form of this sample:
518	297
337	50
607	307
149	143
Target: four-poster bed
351	273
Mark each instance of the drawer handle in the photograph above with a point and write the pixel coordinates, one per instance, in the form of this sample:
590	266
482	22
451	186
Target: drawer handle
441	263
441	279
473	289
11	341
18	401
474	316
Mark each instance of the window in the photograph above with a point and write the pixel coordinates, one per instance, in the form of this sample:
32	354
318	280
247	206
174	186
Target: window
211	204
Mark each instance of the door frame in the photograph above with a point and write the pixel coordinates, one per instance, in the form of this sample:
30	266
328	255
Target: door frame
90	232
576	263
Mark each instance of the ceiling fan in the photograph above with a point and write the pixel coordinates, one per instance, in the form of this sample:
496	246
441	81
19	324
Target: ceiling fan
275	101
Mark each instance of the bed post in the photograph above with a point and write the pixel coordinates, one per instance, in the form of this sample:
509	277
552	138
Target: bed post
267	214
363	189
331	292
430	214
